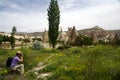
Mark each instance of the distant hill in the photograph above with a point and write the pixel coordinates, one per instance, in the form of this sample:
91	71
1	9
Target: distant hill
30	34
114	31
94	30
98	30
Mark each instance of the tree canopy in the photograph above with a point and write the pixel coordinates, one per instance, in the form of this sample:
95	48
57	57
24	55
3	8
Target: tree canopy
54	20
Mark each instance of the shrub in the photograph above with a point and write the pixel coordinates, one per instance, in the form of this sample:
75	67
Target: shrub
36	45
38	39
76	51
61	47
83	40
26	40
117	76
64	47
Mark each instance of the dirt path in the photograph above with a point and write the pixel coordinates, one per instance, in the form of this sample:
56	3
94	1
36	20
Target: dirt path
40	66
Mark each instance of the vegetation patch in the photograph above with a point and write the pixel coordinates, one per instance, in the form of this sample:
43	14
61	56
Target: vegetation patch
78	63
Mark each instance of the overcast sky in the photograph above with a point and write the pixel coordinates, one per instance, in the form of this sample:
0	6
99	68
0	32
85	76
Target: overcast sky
31	15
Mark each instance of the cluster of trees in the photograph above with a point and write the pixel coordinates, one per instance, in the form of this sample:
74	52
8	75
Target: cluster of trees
83	40
87	40
10	39
4	39
27	40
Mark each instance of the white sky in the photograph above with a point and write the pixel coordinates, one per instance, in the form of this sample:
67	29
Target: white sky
31	15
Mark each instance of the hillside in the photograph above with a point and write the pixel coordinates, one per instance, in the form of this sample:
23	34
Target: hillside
89	31
31	34
96	30
114	31
99	32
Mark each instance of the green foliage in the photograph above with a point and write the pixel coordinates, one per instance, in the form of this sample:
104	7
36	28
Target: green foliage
78	63
26	40
64	47
83	40
38	39
116	76
3	52
54	20
31	76
49	68
3	71
99	63
1	40
14	30
4	39
37	45
12	41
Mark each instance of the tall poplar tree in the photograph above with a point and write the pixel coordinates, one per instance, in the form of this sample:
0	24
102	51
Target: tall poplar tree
12	40
54	20
14	30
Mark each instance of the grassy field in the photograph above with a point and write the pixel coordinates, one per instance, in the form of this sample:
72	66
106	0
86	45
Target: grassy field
79	63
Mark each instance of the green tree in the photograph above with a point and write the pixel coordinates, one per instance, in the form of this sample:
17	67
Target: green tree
54	20
1	40
79	41
83	40
12	40
14	30
26	40
4	40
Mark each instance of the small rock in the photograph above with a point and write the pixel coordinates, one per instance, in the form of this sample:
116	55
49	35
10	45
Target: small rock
40	64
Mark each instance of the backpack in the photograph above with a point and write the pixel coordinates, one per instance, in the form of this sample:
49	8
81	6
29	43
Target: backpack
9	61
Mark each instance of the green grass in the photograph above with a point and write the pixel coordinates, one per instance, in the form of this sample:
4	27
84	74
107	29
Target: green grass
87	63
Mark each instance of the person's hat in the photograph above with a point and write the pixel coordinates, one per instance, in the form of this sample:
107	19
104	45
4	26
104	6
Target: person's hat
18	52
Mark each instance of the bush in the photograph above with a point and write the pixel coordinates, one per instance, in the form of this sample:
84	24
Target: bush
37	45
83	40
61	47
117	76
38	39
26	40
64	47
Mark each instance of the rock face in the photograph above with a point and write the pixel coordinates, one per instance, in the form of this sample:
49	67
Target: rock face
68	36
62	36
95	38
95	30
72	34
99	34
45	36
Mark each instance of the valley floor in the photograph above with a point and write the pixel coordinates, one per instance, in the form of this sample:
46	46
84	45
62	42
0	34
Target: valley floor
79	63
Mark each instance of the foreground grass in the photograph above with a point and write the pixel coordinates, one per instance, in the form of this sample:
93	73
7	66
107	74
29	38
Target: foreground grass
96	63
31	59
